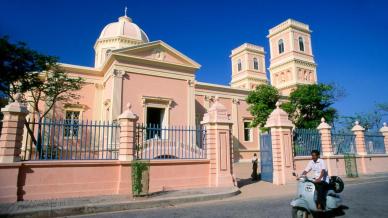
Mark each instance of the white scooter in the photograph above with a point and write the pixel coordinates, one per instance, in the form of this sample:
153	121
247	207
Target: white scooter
305	201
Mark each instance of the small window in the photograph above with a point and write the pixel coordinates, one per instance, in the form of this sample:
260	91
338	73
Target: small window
71	123
301	44
281	46
255	64
239	66
247	131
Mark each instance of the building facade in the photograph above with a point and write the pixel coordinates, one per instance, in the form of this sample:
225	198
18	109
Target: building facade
160	82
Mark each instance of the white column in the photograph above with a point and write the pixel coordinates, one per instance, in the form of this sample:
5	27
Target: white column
117	93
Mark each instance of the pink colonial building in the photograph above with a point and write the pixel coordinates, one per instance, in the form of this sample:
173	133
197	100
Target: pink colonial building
160	82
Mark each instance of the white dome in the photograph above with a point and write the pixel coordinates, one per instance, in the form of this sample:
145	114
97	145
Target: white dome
125	28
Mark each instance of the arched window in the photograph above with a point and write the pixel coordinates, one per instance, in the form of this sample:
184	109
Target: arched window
301	44
255	64
239	66
281	46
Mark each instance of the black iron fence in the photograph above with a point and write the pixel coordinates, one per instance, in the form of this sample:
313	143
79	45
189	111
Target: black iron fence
70	140
343	143
374	143
306	140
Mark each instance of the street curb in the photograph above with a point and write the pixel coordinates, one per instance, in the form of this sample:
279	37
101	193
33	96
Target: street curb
120	206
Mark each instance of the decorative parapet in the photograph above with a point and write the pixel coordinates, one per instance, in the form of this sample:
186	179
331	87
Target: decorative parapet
289	23
248	46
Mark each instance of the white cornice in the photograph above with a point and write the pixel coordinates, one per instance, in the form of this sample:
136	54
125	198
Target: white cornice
193	63
130	68
154	62
293	59
202	88
80	69
248	47
289	24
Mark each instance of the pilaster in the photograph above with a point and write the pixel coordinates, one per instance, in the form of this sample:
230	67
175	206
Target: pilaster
117	93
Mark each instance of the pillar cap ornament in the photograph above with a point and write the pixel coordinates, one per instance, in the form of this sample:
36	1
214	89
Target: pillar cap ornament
357	127
323	124
278	118
17	106
217	113
128	114
384	129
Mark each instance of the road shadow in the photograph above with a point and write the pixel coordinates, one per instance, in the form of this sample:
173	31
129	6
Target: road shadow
334	213
248	181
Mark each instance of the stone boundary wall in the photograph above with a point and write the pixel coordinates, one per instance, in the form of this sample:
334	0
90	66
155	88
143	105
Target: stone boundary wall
37	180
48	179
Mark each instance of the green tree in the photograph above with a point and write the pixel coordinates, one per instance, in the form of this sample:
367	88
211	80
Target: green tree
309	103
262	101
20	67
38	77
371	121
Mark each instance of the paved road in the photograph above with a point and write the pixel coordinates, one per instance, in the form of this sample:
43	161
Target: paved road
368	199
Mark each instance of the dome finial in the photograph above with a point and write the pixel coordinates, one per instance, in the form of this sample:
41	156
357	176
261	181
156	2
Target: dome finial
125	11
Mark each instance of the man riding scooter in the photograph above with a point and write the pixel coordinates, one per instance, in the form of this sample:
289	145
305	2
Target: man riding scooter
321	178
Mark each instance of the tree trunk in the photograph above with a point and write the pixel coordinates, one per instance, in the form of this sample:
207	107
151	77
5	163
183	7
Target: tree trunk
39	141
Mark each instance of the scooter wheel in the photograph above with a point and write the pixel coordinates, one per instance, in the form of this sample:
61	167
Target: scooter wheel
337	184
299	213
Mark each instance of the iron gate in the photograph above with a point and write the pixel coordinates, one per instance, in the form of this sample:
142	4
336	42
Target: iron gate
266	157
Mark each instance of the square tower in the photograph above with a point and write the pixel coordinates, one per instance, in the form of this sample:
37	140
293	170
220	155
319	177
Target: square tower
292	61
248	66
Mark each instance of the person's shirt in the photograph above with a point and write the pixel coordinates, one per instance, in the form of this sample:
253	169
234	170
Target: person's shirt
254	159
316	168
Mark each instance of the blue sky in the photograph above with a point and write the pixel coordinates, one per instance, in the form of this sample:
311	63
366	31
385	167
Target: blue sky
349	37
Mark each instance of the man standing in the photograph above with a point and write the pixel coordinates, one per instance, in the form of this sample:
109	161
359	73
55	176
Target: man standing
321	178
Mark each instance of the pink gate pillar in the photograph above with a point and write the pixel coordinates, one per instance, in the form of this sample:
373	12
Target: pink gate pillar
325	130
12	132
127	134
281	134
219	147
384	131
358	130
327	148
